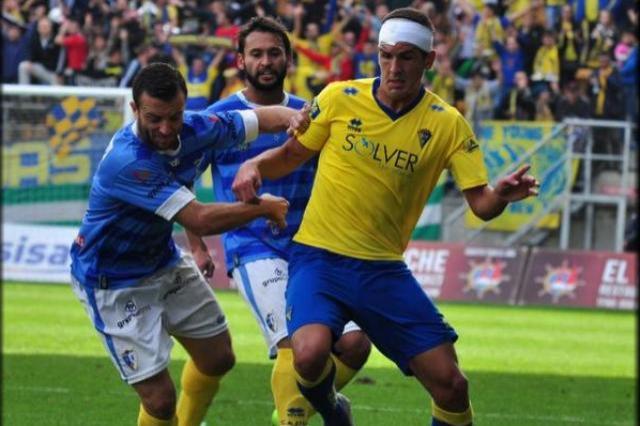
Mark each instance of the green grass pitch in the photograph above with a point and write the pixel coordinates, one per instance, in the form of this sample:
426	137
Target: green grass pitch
526	366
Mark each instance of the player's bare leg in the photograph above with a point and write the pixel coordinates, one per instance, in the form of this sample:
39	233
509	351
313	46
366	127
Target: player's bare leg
316	370
157	400
437	370
210	359
350	354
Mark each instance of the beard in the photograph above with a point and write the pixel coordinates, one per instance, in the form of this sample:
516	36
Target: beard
254	79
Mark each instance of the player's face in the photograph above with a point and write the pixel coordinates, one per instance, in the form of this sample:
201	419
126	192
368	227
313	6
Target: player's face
264	61
402	66
159	122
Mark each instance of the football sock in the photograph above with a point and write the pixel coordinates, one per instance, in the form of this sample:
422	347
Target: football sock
146	419
446	418
292	407
195	397
344	373
321	393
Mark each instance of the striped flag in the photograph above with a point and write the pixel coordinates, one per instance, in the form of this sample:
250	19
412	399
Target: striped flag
429	226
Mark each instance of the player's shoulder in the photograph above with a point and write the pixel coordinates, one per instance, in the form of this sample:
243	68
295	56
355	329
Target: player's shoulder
347	90
231	102
124	150
439	109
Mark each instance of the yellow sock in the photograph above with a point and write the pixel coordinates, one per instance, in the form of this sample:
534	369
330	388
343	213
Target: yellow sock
455	419
195	397
313	383
344	373
146	419
292	407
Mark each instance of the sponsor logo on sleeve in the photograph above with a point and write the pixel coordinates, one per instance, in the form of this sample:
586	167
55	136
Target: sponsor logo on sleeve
315	109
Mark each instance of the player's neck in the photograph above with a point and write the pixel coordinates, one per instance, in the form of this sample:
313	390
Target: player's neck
263	97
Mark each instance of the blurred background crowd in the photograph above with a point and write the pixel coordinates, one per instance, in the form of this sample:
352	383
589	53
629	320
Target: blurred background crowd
496	59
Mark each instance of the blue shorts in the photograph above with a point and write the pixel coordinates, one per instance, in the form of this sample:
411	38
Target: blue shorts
382	297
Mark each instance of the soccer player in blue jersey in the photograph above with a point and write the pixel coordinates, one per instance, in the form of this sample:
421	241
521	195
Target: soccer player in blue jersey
382	144
257	256
135	284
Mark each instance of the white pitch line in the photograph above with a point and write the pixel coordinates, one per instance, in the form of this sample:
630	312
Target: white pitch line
560	419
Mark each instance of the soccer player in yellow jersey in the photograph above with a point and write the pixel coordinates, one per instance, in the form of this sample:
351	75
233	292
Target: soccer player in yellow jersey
382	144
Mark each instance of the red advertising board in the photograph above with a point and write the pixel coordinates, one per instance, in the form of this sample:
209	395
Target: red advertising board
220	280
581	278
450	271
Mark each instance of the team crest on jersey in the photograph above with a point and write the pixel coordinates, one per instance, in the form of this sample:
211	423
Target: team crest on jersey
130	359
560	281
485	277
315	109
355	125
270	320
130	307
470	145
350	90
424	136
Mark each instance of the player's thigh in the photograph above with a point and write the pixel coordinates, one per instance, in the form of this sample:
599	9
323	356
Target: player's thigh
191	309
129	322
397	315
262	283
318	292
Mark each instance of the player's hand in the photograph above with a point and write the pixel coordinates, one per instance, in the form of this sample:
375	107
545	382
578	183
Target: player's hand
276	209
300	122
517	186
204	261
247	182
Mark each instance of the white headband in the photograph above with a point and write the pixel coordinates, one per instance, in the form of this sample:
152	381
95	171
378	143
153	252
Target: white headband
400	30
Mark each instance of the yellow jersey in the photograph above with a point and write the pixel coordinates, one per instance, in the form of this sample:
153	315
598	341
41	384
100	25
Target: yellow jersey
377	168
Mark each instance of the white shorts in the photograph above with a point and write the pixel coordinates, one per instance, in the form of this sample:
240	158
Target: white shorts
262	283
136	323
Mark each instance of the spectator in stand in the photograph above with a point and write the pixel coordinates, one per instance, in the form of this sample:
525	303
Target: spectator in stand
569	45
479	95
42	58
512	60
572	103
544	111
529	40
225	26
444	80
75	46
553	9
365	63
232	82
546	65
602	39
519	104
14	46
199	78
143	54
629	75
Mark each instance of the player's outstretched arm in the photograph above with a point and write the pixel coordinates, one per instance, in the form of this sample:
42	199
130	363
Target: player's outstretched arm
487	202
271	164
216	218
276	118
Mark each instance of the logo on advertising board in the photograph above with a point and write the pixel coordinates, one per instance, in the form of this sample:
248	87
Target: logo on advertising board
485	277
560	281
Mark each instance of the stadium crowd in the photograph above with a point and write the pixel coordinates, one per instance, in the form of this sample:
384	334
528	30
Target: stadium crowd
502	59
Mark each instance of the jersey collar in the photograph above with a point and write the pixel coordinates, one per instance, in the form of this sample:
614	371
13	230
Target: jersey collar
391	113
244	100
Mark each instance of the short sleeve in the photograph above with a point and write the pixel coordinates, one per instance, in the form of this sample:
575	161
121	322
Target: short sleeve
318	132
226	129
466	162
146	185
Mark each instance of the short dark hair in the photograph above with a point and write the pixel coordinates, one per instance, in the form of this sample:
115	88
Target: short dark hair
264	24
158	80
411	14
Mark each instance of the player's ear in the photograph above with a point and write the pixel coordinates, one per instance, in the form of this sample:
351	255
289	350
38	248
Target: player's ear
240	61
134	107
429	59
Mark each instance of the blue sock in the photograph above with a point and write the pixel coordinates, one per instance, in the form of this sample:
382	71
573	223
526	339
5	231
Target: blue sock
321	395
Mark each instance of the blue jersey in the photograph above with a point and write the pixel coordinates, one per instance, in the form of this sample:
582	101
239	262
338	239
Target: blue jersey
258	240
136	192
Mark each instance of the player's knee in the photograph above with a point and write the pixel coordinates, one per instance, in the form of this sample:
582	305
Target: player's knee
454	390
354	349
309	361
161	404
222	362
